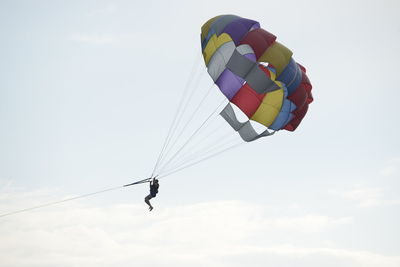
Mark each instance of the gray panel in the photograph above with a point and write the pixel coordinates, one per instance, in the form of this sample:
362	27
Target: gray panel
229	115
240	65
220	24
249	70
218	61
259	81
245	130
222	56
245	49
248	133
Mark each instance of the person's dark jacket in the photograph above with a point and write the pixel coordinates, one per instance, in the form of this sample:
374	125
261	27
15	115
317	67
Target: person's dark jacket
153	189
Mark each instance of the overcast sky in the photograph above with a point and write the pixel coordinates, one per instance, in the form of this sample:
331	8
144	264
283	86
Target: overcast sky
88	90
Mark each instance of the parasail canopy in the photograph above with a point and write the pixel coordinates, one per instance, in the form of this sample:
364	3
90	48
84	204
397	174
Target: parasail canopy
260	84
255	73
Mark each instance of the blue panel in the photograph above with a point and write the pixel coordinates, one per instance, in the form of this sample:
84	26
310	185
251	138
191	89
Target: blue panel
204	43
285	114
291	76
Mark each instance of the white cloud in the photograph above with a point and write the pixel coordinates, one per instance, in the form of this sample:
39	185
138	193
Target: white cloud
364	197
222	233
324	256
368	197
309	223
392	167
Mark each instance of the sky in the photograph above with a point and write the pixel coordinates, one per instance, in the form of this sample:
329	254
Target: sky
88	91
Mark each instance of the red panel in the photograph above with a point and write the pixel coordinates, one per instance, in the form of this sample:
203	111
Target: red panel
247	100
265	69
298	117
303	69
299	96
259	40
305	82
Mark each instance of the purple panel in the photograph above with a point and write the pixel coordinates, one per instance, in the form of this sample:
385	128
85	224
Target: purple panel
252	57
237	29
229	83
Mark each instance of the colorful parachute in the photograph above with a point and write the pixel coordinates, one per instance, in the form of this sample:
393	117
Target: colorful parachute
256	73
258	77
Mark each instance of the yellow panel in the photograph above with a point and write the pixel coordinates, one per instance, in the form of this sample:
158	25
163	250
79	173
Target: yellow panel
278	55
213	44
269	108
206	27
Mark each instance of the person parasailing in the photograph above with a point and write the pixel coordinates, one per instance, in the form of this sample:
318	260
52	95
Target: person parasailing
154	185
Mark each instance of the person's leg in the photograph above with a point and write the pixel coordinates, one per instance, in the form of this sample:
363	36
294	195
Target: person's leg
147	200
